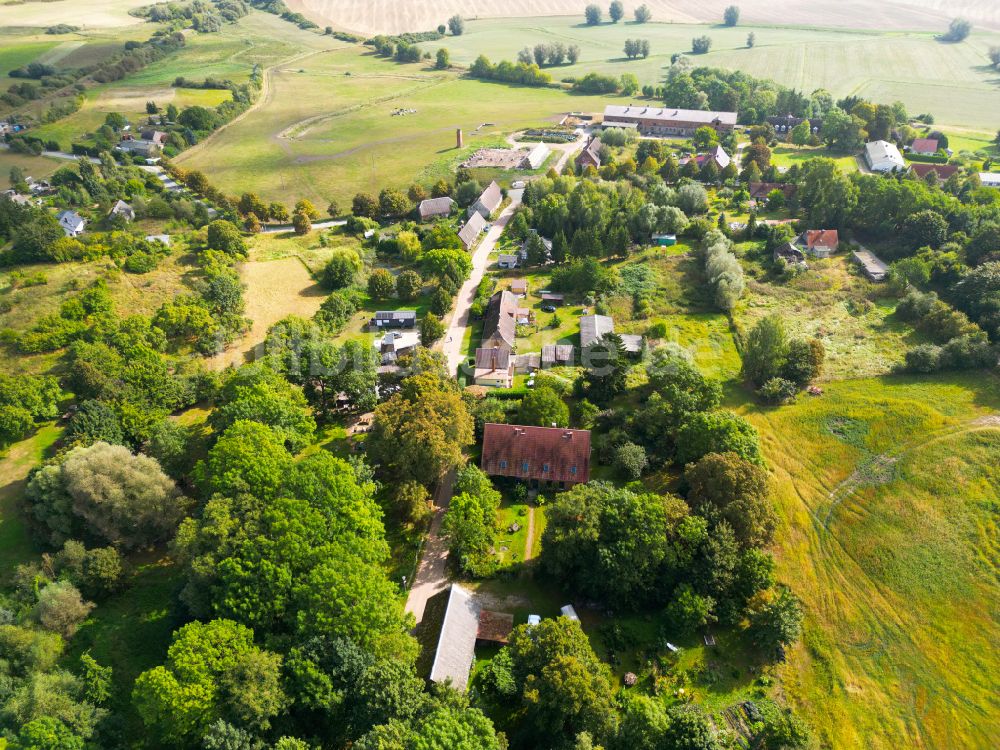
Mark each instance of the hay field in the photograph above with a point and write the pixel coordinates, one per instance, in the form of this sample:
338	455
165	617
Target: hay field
324	129
949	80
889	493
275	289
374	16
82	13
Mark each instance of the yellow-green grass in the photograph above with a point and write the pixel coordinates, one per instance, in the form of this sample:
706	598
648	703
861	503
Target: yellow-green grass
257	39
326	130
16	544
127	100
949	80
306	248
888	494
15	53
38	167
828	302
788	156
132	294
511	546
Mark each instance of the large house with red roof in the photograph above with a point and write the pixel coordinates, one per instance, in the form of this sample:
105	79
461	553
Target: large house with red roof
943	171
546	455
819	243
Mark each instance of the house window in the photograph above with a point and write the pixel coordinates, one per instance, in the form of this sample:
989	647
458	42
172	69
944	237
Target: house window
545	468
572	470
524	466
503	464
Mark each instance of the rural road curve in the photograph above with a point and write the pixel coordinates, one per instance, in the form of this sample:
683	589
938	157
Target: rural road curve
451	344
432	573
59	155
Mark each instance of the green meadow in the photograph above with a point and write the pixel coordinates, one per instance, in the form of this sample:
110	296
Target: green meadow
952	81
889	495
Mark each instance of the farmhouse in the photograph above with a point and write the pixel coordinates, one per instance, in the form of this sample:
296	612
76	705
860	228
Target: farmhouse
505	260
500	323
557	355
759	191
924	146
122	209
668	120
593	328
591	155
882	156
435	208
154	136
871	265
717	155
141	147
989	179
394	319
942	171
71	222
488	202
471	231
523	252
787	123
820	243
537	454
394	345
494	367
456	647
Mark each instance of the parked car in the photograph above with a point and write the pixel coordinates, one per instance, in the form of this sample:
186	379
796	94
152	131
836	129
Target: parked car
548	308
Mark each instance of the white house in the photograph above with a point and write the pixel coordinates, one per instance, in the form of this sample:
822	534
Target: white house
882	156
71	222
989	179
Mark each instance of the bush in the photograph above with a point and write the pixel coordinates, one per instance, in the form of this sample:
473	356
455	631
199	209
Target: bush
778	391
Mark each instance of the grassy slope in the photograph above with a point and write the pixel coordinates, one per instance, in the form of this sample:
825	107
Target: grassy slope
950	81
897	576
327	130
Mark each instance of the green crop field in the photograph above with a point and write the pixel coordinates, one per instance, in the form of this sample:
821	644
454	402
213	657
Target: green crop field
889	495
952	81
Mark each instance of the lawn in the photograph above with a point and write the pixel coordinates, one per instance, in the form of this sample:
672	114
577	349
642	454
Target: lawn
896	558
949	80
788	156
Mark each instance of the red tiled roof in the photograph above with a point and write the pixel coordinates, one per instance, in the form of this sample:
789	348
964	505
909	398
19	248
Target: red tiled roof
822	238
763	189
924	146
544	453
944	171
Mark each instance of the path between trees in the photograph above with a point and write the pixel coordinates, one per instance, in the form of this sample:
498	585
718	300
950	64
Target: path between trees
529	544
432	572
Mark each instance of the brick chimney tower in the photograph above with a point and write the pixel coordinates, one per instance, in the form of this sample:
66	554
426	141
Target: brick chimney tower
459	140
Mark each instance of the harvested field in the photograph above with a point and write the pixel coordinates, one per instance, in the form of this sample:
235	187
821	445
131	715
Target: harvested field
89	14
413	15
275	289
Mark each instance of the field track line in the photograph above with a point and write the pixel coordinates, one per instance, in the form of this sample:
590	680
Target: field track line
847	487
265	95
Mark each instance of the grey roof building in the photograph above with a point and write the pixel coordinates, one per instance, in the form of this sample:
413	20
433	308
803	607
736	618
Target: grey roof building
472	229
488	202
500	324
456	647
435	207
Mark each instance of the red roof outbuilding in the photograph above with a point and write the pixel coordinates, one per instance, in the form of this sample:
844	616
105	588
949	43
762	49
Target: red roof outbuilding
926	146
822	238
546	454
943	171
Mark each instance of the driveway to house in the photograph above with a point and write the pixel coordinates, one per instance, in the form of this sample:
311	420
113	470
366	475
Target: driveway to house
451	343
432	573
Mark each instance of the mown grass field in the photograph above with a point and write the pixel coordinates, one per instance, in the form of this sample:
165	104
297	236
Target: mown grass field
326	130
952	81
897	567
90	14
